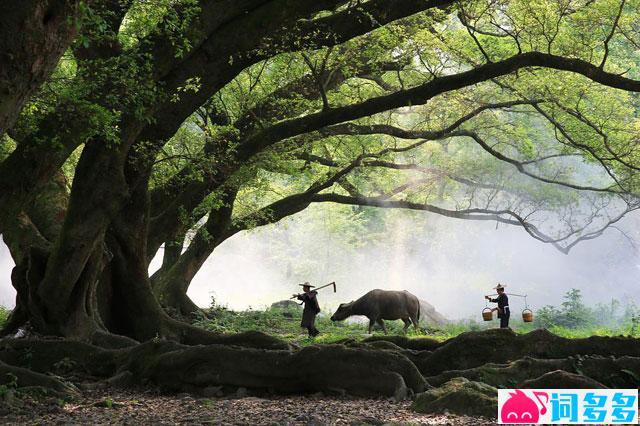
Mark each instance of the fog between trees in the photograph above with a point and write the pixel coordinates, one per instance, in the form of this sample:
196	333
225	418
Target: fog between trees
449	263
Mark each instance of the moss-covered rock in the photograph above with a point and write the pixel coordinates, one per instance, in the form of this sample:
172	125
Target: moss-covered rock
459	396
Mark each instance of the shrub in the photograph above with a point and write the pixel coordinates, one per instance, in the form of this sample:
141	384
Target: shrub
4	315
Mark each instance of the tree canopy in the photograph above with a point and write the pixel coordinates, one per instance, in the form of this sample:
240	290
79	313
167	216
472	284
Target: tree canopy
176	124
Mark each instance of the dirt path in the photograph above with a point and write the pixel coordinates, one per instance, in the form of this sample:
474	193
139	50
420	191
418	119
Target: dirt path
137	408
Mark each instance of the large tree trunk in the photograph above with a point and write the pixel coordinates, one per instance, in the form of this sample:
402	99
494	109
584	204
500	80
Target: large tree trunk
77	258
172	293
170	285
135	311
33	36
58	284
172	280
29	237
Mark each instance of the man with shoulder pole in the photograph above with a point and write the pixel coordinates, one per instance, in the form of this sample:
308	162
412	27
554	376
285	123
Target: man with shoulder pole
503	305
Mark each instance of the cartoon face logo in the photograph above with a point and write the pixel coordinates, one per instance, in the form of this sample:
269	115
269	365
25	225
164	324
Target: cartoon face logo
519	408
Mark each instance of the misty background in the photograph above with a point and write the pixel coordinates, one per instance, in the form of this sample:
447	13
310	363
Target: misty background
450	263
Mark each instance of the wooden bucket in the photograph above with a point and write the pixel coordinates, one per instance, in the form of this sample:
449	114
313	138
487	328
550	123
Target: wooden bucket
487	314
527	315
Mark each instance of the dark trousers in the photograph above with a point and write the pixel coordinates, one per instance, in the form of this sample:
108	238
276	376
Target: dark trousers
504	321
309	322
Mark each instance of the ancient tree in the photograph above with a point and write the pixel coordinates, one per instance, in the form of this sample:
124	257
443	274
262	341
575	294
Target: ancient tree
178	124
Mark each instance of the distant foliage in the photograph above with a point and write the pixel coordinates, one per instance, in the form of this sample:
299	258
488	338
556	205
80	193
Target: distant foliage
573	314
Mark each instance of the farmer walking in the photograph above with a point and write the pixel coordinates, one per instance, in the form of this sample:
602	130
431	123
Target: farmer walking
503	305
311	308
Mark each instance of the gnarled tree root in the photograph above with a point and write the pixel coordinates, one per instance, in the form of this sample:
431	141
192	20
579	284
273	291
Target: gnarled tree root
622	372
191	335
175	367
374	368
416	344
474	349
506	375
52	355
25	379
322	368
459	396
560	379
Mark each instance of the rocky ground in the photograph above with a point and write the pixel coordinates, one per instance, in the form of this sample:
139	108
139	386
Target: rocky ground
140	408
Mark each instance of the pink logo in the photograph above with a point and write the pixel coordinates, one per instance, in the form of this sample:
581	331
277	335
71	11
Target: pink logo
519	408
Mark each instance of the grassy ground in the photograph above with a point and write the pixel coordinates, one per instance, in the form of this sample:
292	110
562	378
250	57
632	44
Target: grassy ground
285	323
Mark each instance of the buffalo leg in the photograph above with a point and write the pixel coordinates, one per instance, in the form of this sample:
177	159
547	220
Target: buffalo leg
381	324
407	324
371	322
415	320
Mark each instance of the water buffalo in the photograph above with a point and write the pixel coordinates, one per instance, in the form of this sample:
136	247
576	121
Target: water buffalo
379	305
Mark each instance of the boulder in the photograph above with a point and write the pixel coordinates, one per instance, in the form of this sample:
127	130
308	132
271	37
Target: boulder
429	315
285	304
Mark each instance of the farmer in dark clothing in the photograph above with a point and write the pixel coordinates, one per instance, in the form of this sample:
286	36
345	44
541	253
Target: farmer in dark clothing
503	305
311	309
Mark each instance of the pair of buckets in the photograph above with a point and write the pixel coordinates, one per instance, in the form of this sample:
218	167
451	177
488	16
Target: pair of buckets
527	315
